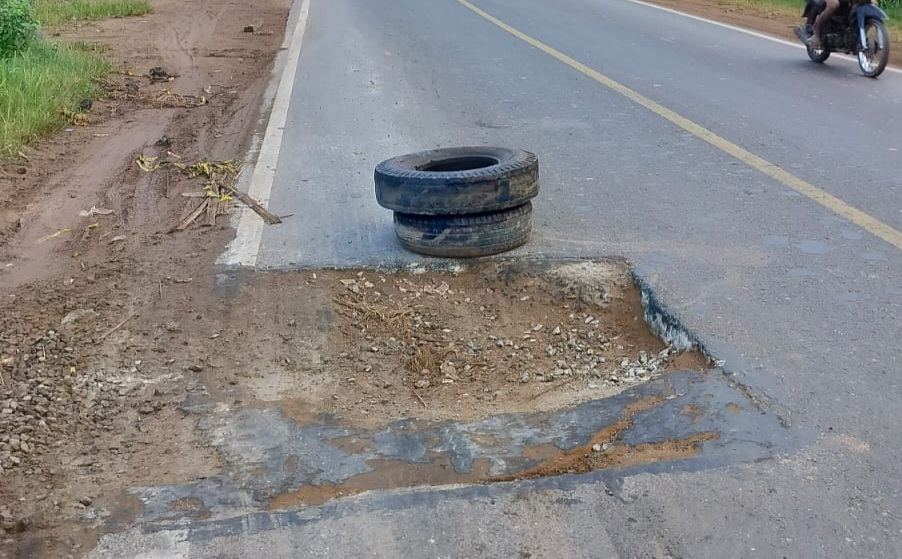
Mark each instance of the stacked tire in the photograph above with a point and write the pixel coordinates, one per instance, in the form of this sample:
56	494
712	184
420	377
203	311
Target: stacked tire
460	202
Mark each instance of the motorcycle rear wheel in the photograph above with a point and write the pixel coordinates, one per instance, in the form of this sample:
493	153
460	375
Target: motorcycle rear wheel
818	55
873	56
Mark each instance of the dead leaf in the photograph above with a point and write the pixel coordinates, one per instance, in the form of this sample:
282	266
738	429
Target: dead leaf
94	211
147	164
54	235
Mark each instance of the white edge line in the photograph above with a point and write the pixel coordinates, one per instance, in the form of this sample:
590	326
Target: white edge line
746	31
244	249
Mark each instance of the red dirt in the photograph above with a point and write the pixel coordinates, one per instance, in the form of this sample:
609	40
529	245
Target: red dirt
105	398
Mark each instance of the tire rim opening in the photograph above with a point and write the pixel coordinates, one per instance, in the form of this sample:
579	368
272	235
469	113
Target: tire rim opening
467	163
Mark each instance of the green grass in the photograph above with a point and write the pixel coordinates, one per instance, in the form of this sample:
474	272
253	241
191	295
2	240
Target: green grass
37	85
50	12
893	9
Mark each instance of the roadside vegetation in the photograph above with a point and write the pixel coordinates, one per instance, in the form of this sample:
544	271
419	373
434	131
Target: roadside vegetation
42	82
51	12
40	89
893	9
793	9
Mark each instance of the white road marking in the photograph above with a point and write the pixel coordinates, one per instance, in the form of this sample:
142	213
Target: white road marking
243	251
746	31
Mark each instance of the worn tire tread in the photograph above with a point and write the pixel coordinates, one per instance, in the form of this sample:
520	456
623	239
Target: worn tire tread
465	236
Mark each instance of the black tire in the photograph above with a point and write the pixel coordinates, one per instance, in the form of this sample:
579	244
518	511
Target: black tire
818	55
457	181
872	61
465	236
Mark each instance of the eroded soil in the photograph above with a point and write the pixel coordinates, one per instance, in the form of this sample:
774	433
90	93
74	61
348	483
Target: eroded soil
90	404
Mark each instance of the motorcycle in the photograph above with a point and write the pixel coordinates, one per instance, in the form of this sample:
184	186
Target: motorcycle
857	27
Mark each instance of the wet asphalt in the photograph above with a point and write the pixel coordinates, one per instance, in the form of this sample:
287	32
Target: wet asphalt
802	306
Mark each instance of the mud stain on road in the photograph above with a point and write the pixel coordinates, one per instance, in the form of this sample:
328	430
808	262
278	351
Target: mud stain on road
603	450
386	474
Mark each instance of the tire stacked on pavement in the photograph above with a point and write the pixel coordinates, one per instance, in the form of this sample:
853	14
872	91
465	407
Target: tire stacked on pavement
460	202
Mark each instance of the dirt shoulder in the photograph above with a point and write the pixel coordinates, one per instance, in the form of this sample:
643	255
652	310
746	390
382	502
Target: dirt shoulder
87	395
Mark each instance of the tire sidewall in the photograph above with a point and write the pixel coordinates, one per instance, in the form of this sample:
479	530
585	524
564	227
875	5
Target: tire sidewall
402	187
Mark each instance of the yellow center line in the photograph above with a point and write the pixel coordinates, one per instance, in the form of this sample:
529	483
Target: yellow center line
832	203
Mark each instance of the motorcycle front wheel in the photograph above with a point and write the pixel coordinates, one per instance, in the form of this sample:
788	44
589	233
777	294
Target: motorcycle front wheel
873	56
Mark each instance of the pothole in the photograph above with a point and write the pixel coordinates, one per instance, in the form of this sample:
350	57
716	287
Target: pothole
340	382
463	344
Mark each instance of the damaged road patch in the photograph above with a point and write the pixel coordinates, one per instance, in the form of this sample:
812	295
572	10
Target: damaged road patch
371	347
272	463
341	384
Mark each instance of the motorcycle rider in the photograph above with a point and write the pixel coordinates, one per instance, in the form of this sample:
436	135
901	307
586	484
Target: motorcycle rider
815	39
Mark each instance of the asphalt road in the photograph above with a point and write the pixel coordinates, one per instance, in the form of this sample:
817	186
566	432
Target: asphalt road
379	80
802	303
